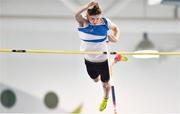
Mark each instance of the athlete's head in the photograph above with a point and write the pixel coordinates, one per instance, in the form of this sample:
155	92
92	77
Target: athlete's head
94	14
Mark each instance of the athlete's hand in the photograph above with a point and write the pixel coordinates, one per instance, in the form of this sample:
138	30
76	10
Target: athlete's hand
92	4
112	38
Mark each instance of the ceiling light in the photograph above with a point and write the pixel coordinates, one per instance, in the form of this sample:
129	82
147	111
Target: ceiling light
154	2
146	46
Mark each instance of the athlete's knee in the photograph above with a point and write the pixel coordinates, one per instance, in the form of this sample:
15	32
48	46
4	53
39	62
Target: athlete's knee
106	85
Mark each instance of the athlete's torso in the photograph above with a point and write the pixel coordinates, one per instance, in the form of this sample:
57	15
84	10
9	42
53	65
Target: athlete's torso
93	38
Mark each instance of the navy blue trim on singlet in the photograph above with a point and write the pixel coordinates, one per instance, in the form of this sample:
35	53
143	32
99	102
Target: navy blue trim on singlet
105	21
96	41
98	30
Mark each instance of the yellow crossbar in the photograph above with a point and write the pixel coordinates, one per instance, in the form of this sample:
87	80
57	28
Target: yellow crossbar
87	52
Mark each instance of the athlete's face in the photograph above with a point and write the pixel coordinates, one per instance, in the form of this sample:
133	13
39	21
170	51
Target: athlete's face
94	19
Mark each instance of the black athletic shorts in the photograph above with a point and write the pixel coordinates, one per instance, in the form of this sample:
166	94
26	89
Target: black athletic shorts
96	69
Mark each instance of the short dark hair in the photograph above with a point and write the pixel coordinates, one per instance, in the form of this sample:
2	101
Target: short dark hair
95	10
